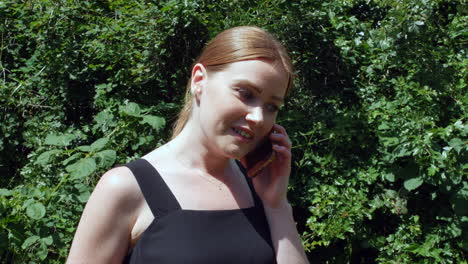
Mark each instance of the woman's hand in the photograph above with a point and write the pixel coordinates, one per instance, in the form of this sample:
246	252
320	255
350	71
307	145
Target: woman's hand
271	183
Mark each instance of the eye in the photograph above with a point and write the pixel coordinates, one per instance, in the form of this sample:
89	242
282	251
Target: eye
244	93
272	108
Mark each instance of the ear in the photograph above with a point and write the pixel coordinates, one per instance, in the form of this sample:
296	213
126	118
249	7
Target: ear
198	80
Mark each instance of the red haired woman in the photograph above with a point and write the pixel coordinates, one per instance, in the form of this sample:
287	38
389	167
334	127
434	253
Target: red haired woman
191	201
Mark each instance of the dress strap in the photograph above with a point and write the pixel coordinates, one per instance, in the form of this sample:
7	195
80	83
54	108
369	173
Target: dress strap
257	201
157	194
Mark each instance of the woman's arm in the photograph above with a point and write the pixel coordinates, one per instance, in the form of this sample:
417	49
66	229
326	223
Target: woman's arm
103	233
271	185
286	240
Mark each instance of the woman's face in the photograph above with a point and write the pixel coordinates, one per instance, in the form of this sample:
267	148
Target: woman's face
238	105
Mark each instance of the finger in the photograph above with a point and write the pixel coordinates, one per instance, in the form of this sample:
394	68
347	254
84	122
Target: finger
282	150
281	138
261	165
280	129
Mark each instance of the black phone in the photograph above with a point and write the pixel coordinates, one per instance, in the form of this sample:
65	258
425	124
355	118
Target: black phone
260	157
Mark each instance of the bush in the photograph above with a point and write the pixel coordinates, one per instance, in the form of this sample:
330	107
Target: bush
377	116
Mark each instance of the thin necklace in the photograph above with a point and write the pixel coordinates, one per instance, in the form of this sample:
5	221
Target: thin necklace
218	183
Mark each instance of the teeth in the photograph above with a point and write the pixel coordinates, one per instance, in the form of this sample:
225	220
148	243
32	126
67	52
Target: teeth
242	133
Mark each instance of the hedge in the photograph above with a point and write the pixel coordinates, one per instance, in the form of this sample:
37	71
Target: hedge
377	116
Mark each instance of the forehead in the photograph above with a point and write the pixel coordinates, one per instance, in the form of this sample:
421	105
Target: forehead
268	76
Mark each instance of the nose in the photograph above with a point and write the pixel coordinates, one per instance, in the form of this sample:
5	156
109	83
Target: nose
255	115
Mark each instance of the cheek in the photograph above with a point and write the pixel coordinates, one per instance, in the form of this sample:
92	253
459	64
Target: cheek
266	129
221	116
232	108
269	123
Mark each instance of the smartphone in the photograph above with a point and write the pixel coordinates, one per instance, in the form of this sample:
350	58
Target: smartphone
260	157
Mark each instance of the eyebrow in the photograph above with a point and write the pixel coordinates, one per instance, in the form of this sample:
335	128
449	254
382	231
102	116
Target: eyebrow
258	90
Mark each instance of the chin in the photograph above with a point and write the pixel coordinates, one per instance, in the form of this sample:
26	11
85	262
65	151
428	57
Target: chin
235	153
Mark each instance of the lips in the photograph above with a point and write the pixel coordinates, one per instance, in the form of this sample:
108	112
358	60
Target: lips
243	132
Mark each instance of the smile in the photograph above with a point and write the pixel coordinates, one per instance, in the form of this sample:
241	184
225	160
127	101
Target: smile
242	133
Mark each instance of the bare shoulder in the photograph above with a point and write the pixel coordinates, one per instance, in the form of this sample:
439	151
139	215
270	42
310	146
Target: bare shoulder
103	234
120	184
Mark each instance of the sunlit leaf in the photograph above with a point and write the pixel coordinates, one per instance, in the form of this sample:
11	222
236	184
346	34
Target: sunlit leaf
390	177
106	158
44	158
36	210
29	241
48	240
82	168
412	183
72	158
59	140
99	144
154	121
85	148
457	144
5	192
131	109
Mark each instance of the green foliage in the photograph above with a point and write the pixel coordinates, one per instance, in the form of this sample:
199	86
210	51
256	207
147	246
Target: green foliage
377	116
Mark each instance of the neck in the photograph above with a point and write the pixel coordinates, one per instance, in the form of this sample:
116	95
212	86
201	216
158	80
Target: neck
190	148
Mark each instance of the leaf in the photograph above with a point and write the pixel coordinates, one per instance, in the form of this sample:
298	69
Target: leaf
5	192
401	151
131	109
47	240
155	122
29	241
99	144
456	144
71	158
102	86
413	183
83	197
82	168
44	158
390	141
419	23
59	140
105	117
84	148
42	252
383	126
106	158
454	229
36	211
81	187
390	177
432	170
391	194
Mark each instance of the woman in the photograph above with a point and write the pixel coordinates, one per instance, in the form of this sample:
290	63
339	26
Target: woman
189	201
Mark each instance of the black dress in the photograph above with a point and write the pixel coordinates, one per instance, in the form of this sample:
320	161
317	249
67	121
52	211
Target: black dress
197	236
